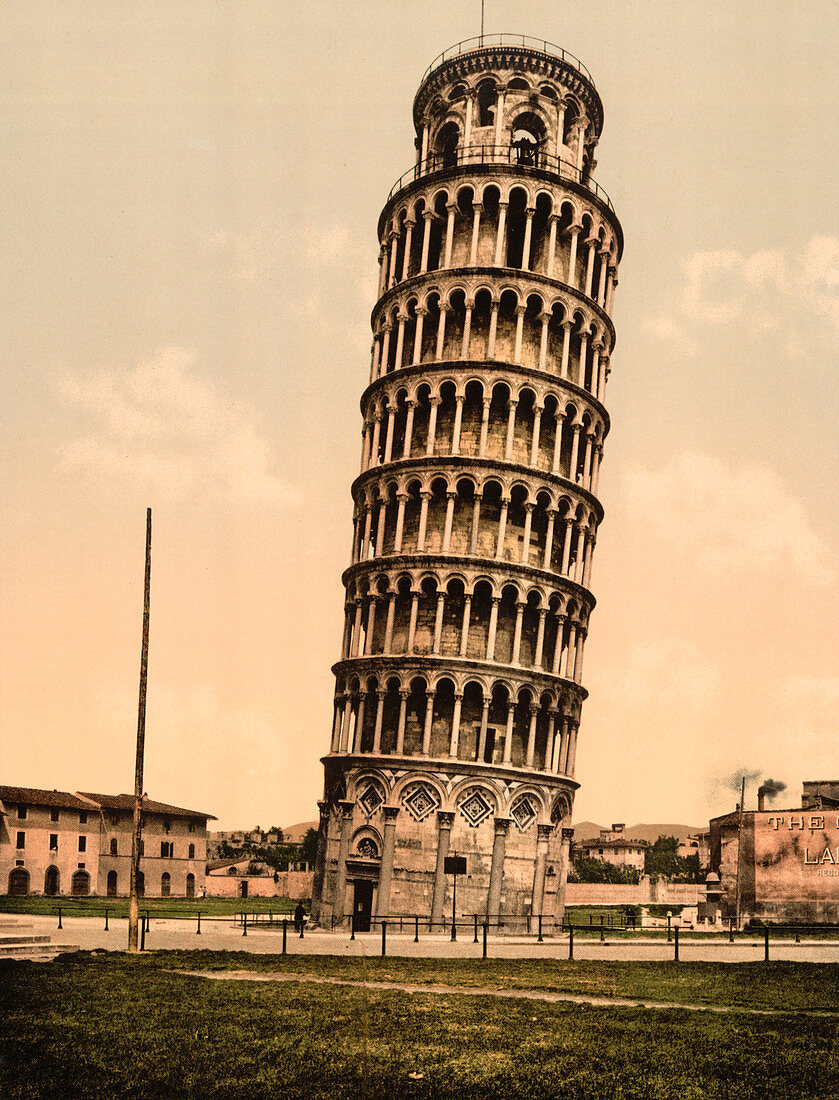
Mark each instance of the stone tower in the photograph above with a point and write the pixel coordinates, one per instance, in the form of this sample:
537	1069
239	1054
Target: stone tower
459	687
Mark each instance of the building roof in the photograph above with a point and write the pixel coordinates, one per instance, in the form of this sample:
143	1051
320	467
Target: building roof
618	842
86	800
126	802
32	796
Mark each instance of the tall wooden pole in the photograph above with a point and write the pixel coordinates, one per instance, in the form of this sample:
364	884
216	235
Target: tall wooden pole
740	848
133	898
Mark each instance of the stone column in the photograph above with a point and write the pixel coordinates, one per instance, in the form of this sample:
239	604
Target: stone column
391	614
340	897
549	539
493	627
531	735
400	729
402	498
377	429
356	638
566	348
508	735
549	747
543	340
445	820
432	426
543	833
380	529
336	724
540	638
499	240
359	720
387	328
493	329
422	313
464	625
394	244
458	422
537	428
400	340
467	331
592	243
559	909
482	446
482	735
409	429
528	236
502	529
441	330
476	521
520	312
406	259
557	455
371	625
386	867
552	221
425	496
572	645
566	545
380	711
528	529
560	628
575	451
438	622
412	622
451	495
429	718
514	659
451	207
454	741
496	874
477	210
428	216
574	230
511	429
574	729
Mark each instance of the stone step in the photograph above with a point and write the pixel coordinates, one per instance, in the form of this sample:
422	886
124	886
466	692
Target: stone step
6	941
45	953
6	922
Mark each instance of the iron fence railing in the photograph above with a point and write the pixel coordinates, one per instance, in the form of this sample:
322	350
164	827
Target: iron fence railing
525	41
523	156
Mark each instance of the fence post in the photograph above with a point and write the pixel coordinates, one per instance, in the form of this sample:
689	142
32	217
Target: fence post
485	940
602	932
245	923
570	941
540	929
676	943
384	937
60	925
766	944
142	935
416	929
198	930
302	926
731	929
476	928
285	935
106	918
352	925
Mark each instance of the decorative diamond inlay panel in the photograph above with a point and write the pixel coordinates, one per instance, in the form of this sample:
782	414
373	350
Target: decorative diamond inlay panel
420	800
524	813
371	798
475	808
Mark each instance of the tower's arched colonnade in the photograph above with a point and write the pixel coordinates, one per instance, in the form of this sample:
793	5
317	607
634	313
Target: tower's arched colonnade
468	593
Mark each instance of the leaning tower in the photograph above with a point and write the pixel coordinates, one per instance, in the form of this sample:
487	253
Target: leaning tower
468	594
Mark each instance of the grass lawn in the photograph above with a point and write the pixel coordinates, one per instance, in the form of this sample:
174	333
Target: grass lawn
111	1026
118	907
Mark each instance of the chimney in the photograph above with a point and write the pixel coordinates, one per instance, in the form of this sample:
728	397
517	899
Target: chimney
761	799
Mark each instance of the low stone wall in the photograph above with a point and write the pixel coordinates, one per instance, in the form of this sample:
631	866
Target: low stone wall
644	893
289	884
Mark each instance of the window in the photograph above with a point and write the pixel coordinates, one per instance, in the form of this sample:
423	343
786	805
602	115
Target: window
114	850
167	825
190	885
165	884
115	819
191	851
192	826
21	840
53	842
54	814
142	847
83	817
82	843
112	884
21	813
165	849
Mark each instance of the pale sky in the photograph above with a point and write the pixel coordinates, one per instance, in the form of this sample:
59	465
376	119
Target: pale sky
189	201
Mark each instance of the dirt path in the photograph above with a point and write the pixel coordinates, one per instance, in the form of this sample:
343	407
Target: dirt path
515	994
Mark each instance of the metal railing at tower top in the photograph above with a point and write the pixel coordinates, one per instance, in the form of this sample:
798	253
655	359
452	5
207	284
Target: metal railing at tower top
487	40
515	156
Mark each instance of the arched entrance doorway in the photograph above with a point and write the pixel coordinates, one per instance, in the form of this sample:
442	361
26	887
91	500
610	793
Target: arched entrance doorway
51	882
81	884
112	884
19	882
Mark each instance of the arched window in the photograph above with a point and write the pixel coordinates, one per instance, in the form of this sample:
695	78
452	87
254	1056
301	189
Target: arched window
528	134
191	854
165	884
114	847
447	141
141	883
112	883
190	885
487	98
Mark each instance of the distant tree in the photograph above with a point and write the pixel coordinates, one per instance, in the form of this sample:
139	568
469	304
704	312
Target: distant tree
309	847
598	870
662	860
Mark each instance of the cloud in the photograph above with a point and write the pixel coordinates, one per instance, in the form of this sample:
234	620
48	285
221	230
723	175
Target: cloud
169	428
666	671
765	291
725	518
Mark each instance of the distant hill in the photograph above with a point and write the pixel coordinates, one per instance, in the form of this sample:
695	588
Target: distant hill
294	833
589	830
